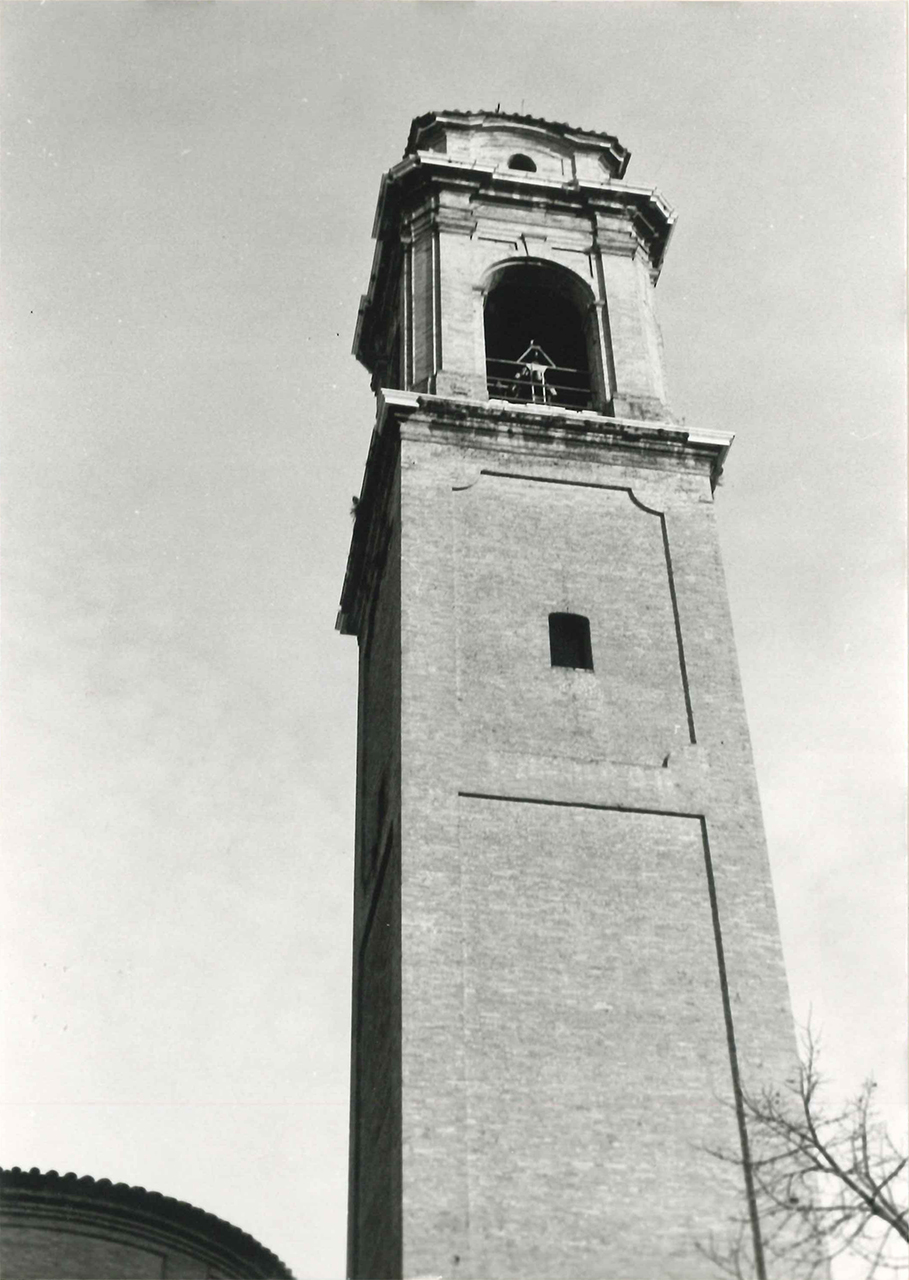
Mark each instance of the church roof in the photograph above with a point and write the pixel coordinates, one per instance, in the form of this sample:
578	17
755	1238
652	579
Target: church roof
20	1189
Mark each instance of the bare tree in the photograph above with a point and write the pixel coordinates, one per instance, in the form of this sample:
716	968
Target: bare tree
822	1183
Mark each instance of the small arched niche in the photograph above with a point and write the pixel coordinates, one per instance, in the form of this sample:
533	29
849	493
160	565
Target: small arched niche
522	162
540	334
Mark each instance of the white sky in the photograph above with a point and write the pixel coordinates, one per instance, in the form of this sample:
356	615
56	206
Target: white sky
188	199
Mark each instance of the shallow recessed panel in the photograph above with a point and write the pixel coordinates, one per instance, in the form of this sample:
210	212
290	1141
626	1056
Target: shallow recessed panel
597	1060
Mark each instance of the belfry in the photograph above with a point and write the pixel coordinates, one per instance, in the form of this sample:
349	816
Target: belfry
566	954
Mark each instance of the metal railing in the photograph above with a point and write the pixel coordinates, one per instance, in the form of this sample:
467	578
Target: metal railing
531	383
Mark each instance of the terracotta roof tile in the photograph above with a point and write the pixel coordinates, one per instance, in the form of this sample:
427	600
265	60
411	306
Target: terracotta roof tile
176	1212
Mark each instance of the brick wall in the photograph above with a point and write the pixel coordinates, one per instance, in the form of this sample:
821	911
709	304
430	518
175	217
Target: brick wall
375	1177
66	1253
576	851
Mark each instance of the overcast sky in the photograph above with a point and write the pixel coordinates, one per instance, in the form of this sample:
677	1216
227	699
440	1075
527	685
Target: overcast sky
188	199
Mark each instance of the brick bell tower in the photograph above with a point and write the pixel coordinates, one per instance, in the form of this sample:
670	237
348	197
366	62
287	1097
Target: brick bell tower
566	955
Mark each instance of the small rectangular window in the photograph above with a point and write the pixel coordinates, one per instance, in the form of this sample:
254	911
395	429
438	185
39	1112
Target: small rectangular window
569	641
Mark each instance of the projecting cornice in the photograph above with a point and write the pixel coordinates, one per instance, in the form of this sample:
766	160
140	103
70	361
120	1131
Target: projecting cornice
435	125
623	218
499	424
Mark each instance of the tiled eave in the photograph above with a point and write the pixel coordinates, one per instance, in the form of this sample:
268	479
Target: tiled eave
653	218
500	421
115	1210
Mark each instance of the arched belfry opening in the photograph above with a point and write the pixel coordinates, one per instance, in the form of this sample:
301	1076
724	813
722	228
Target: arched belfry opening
540	337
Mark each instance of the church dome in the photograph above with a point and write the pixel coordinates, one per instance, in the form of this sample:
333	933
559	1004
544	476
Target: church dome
63	1227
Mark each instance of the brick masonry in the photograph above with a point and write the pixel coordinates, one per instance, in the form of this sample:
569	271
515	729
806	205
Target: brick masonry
568	960
70	1228
546	1036
448	221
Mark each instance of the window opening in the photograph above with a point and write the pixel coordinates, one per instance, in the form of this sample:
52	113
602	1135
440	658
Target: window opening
569	641
522	162
536	341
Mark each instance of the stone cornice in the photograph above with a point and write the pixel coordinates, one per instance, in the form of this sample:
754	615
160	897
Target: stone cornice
498	423
648	215
531	125
446	171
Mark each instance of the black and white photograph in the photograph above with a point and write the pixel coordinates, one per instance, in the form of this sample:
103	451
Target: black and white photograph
453	617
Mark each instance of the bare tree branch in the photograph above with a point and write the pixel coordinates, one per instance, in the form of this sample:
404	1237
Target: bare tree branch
827	1183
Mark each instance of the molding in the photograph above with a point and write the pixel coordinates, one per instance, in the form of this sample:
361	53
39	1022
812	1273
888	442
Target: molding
648	218
470	121
498	422
121	1214
667	554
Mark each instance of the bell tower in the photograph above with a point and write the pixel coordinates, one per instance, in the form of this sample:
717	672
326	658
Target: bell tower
566	955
